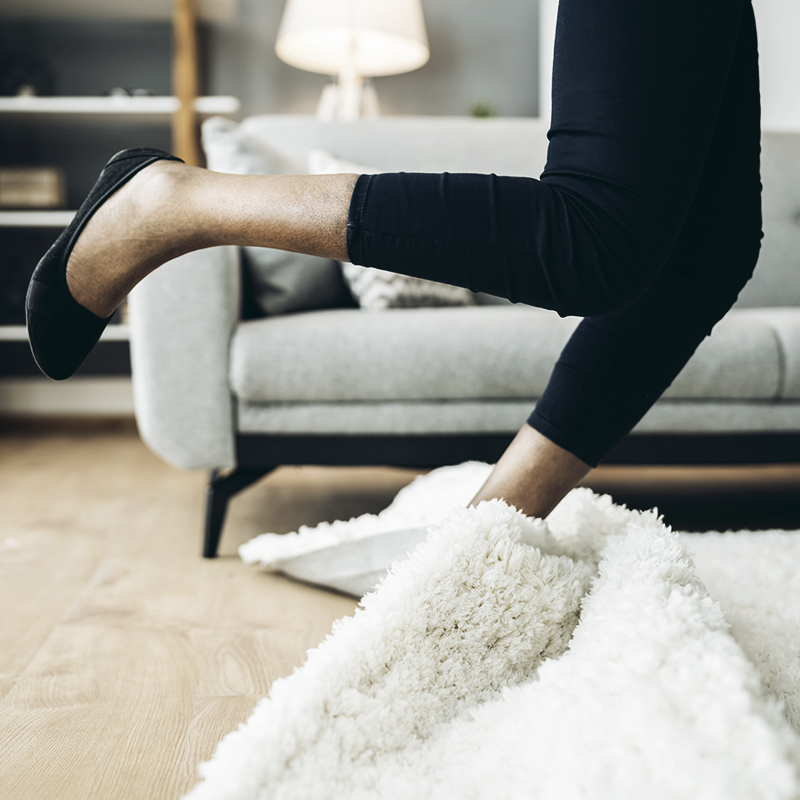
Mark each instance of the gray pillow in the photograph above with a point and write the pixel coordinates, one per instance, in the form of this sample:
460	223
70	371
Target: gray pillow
278	282
275	281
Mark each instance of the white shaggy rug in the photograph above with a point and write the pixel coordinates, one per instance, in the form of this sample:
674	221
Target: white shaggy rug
512	658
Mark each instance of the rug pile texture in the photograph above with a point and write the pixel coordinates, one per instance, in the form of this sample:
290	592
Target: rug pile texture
511	657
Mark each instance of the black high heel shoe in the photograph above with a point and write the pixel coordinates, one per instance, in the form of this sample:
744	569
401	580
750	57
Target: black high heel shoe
61	331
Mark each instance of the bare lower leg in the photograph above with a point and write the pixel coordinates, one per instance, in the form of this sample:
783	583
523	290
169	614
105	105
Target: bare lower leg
169	209
533	475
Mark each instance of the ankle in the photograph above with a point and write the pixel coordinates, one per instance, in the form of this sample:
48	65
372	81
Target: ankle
148	221
533	475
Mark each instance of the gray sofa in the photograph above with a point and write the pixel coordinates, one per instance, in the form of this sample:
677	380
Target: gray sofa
431	386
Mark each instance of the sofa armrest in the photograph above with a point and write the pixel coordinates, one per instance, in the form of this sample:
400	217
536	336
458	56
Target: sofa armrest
182	317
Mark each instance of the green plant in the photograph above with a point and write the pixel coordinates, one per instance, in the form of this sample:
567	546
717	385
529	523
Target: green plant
482	108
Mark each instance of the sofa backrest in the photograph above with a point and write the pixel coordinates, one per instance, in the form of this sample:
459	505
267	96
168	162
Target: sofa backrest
776	281
518	146
508	146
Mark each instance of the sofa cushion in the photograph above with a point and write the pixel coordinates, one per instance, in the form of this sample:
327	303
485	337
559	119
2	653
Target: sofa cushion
741	360
470	353
377	289
280	282
400	354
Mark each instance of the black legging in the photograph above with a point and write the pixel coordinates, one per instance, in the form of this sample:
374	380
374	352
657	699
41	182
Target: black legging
646	219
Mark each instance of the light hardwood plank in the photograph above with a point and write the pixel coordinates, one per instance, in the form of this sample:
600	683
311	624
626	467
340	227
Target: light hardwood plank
213	718
41	573
100	712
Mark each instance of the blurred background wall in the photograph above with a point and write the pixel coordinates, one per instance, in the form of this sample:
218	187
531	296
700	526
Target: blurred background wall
480	52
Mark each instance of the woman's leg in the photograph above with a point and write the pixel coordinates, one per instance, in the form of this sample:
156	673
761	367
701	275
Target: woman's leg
636	92
170	209
533	475
616	366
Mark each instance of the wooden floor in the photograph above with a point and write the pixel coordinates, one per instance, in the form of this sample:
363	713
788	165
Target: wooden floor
124	656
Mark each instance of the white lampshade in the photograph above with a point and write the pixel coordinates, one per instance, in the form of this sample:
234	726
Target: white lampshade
365	37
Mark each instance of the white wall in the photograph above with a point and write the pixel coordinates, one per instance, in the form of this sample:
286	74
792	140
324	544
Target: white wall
778	26
548	9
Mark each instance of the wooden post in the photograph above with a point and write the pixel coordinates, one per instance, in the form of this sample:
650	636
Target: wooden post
185	141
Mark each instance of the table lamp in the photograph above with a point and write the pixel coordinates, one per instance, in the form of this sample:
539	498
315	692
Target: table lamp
351	40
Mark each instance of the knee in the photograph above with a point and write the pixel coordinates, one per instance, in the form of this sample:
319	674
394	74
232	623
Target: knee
605	299
705	279
610	285
601	261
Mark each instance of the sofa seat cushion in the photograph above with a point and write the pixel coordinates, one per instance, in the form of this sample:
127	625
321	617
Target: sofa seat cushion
398	354
470	353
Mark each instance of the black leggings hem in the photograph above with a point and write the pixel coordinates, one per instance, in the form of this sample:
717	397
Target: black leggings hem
562	439
355	238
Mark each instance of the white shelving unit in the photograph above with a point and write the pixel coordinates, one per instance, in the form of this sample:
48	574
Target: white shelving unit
208	10
110	109
158	110
83	110
35	219
100	394
19	333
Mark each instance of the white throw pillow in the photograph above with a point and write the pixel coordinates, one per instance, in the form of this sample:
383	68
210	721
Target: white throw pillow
275	281
378	289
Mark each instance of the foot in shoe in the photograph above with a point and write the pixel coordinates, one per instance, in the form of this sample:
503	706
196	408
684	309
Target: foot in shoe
141	226
62	331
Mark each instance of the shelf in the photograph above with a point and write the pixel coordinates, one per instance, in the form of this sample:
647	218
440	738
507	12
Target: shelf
208	10
155	109
33	395
35	219
19	333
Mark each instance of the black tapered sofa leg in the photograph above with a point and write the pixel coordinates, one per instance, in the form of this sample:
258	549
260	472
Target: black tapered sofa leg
222	486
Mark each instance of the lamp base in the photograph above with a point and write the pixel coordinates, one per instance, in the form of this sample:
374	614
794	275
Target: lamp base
348	99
